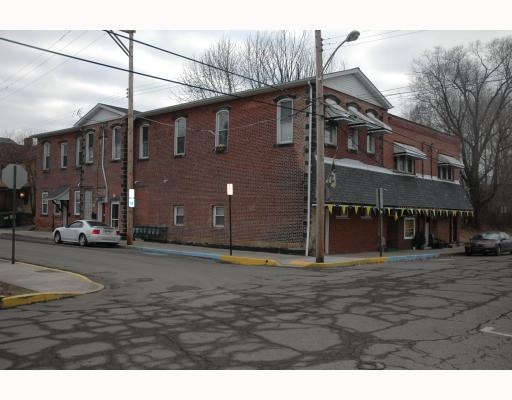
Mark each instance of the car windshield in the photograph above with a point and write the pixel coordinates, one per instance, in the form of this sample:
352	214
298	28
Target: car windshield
96	223
487	235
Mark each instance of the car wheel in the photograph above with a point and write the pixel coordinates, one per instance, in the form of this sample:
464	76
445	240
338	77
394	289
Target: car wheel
498	250
82	240
57	239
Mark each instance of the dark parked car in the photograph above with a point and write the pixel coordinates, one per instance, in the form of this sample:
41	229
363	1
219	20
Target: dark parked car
489	242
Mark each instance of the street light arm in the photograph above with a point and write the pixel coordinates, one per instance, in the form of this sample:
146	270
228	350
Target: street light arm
332	56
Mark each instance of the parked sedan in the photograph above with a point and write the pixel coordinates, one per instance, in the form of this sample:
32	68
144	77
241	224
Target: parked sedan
489	242
86	232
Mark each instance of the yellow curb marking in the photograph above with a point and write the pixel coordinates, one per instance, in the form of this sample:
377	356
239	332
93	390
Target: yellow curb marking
249	261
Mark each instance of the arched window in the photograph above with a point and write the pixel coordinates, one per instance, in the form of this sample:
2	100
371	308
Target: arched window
222	129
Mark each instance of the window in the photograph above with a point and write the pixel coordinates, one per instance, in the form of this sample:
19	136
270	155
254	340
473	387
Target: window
353	139
370	143
445	172
64	155
114	214
89	147
285	121
77	202
405	164
79	151
341	212
116	143
144	142
46	155
44	203
218	216
330	134
179	215
222	128
180	131
409	228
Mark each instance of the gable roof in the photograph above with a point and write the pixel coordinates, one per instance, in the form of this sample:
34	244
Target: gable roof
100	113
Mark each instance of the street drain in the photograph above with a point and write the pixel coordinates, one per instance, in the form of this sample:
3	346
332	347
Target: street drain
369	365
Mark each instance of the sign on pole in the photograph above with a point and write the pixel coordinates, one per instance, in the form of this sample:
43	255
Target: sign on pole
14	175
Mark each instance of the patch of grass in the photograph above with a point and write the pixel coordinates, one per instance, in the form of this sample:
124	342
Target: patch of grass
7	289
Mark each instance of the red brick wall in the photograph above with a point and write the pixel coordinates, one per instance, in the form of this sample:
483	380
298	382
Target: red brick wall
352	235
268	202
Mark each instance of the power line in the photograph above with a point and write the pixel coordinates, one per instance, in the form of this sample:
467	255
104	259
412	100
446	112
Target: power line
135	72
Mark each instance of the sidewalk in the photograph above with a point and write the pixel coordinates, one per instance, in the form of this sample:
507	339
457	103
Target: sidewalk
45	284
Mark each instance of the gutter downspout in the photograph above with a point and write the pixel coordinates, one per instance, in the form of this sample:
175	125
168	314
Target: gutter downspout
105	199
308	220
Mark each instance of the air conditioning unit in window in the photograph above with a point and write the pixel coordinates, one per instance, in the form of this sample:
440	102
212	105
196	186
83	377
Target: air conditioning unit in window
220	148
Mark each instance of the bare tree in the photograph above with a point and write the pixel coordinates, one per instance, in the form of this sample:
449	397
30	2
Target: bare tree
266	58
467	91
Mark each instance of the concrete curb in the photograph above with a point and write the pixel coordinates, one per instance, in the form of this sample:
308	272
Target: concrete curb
38	297
373	260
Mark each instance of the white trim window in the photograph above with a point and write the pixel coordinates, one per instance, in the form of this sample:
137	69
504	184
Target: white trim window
44	203
89	147
144	142
179	215
180	132
116	143
79	151
46	155
222	128
353	139
76	203
409	228
285	121
64	155
405	164
445	172
331	131
370	143
218	216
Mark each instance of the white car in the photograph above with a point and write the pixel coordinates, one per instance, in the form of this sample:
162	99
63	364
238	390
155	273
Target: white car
86	232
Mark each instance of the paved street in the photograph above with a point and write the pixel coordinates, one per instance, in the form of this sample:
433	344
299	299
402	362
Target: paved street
166	312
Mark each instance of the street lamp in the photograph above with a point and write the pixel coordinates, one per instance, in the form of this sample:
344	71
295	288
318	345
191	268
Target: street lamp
320	132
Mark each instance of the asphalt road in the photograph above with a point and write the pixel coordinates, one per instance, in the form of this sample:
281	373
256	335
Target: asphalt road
165	312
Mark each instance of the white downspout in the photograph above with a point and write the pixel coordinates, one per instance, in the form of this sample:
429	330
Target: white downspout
308	221
105	199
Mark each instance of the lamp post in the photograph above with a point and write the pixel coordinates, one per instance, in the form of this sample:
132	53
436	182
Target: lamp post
320	133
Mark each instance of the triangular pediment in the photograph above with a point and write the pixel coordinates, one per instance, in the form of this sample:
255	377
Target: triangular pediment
354	83
101	113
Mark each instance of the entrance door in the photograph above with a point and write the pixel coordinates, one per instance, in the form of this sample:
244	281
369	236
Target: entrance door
114	214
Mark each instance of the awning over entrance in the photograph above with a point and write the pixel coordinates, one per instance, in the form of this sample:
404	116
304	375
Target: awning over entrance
61	193
401	149
448	160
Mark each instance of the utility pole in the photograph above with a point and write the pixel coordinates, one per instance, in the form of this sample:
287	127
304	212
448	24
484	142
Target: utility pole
129	211
320	171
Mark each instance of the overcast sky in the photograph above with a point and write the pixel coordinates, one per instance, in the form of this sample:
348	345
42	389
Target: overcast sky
42	92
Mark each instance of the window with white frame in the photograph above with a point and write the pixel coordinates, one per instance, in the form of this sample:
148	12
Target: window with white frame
405	164
44	203
218	216
144	142
353	139
445	172
222	129
285	121
409	228
64	155
79	151
180	132
46	155
76	203
179	215
89	147
116	143
370	143
331	131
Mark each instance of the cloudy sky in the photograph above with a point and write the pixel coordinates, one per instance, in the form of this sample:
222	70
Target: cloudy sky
42	92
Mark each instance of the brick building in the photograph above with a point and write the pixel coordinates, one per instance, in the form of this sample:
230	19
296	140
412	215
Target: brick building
261	141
